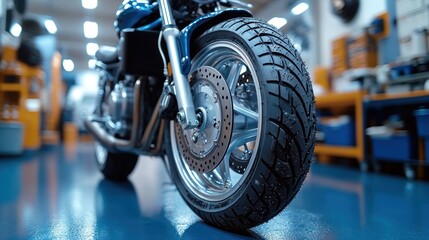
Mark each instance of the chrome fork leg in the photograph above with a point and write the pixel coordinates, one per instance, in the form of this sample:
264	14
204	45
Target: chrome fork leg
186	115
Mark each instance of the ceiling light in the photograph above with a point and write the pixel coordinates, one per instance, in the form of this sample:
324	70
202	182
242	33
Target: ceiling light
16	30
68	65
50	26
89	4
300	8
91	63
91	48
90	29
277	22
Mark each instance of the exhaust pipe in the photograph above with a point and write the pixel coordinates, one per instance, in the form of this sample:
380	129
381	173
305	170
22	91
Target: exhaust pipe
107	140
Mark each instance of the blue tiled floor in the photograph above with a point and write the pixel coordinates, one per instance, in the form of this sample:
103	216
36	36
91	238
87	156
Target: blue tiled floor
58	194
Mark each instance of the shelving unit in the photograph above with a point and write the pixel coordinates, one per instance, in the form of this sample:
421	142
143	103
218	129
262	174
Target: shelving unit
381	100
417	77
10	87
362	104
337	151
342	100
399	100
16	89
12	93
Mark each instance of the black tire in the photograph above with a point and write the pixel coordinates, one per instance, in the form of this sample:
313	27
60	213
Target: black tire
288	129
115	166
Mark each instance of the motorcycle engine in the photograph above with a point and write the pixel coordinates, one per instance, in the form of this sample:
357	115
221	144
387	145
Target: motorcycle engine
120	110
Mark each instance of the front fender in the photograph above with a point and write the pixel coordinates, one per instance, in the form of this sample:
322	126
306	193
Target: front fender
199	26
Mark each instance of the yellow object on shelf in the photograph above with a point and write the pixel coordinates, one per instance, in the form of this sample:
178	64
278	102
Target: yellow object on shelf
339	55
31	120
362	51
321	77
384	17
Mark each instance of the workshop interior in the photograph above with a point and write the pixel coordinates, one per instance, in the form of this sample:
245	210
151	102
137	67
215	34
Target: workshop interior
214	119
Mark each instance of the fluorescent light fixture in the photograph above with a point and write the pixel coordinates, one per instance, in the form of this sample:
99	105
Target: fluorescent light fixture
68	65
89	4
50	26
90	29
91	48
91	63
277	22
16	30
300	8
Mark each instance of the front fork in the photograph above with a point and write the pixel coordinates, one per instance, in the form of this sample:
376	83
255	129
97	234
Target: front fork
186	115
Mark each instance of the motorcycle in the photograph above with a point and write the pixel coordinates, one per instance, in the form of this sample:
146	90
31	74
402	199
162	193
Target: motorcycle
223	98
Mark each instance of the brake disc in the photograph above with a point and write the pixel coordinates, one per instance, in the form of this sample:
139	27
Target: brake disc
204	147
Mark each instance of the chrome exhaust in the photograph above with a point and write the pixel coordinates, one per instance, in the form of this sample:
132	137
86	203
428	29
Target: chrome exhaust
105	138
110	142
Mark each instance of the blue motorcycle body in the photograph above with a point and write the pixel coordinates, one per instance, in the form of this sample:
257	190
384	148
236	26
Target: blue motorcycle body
134	14
145	17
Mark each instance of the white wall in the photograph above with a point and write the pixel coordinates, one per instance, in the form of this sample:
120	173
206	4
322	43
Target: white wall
331	27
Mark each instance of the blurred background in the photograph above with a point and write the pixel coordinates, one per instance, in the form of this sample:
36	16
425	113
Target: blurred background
368	61
354	51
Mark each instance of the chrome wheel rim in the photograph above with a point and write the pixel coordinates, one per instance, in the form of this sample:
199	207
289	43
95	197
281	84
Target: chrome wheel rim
232	62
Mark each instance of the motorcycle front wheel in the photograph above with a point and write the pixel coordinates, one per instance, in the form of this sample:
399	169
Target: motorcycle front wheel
249	157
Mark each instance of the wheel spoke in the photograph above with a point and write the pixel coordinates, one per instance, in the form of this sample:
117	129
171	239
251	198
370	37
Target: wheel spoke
239	108
241	138
233	76
212	180
220	177
224	172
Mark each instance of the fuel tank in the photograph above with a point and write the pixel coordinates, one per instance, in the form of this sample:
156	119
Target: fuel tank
135	13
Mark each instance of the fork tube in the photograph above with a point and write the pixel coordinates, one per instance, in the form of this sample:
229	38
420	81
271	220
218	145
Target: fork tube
186	114
166	14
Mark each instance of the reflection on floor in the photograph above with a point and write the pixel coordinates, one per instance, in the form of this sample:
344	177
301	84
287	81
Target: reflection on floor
59	194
